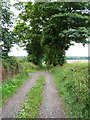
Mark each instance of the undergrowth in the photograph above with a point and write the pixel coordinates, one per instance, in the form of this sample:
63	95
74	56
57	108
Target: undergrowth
10	62
30	109
8	87
72	83
29	67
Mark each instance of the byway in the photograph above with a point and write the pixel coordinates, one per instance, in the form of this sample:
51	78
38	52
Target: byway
51	106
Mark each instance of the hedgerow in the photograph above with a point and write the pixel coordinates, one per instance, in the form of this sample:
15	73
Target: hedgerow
72	83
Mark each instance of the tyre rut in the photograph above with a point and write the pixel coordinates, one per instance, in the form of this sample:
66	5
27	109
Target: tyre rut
11	109
51	106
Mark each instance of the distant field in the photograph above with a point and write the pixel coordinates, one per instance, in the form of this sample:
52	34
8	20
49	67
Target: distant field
70	59
67	57
22	57
78	58
80	61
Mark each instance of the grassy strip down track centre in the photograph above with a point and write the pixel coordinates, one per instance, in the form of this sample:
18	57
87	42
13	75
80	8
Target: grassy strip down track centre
72	83
30	109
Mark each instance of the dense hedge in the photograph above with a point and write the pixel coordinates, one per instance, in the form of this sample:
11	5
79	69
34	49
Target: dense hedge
10	67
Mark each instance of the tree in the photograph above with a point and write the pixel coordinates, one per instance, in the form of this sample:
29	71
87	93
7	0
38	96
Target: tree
52	28
42	0
5	25
29	32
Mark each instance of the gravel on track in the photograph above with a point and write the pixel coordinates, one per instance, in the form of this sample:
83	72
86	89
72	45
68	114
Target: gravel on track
11	109
51	106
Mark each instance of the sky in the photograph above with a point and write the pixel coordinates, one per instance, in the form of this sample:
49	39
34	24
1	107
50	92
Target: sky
76	50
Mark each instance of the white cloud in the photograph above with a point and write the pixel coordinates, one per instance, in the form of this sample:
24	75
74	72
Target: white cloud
17	51
77	50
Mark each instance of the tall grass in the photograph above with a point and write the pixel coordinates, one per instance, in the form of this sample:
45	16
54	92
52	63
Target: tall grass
72	83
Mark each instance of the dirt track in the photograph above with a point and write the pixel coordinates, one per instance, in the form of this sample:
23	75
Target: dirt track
10	110
51	105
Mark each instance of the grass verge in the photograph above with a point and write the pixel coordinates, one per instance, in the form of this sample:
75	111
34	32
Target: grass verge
30	109
9	87
72	83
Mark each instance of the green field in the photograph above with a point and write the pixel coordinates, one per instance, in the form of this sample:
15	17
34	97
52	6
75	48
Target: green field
71	81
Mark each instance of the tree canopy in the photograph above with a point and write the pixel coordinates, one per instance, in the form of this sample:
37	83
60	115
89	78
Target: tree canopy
48	29
5	25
